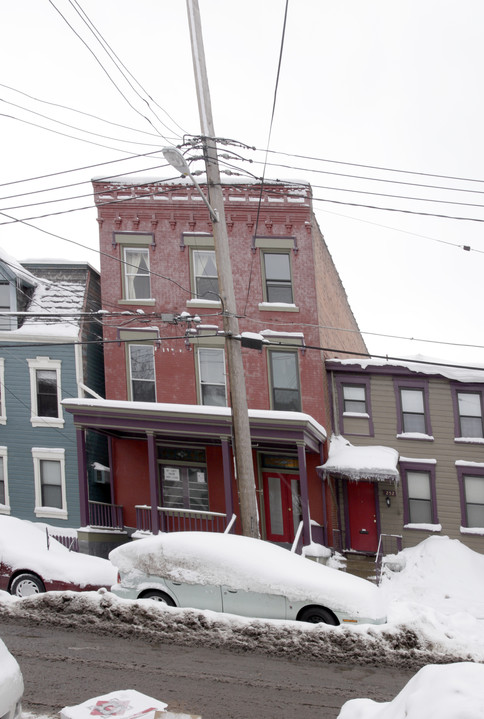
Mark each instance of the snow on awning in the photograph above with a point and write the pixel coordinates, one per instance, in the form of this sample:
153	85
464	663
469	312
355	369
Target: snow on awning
345	461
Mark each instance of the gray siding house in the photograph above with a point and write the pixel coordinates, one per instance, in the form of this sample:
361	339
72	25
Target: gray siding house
50	349
407	457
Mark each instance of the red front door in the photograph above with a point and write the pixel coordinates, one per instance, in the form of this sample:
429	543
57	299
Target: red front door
281	506
362	516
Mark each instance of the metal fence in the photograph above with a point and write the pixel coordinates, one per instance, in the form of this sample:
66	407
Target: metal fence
181	520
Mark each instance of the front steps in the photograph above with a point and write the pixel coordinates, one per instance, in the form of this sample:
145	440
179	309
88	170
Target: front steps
361	565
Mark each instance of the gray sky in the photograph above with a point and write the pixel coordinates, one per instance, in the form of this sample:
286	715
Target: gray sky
384	84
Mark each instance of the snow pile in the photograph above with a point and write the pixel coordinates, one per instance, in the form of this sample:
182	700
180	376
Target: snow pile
23	545
247	564
440	573
455	691
11	682
356	463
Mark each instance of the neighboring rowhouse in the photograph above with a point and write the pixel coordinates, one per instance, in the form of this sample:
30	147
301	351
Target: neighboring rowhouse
43	359
167	412
407	458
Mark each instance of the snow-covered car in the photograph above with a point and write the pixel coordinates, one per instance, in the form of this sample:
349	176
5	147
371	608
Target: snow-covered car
240	575
11	685
31	562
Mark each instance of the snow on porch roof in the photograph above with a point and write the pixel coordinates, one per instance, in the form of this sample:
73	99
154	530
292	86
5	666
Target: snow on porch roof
346	461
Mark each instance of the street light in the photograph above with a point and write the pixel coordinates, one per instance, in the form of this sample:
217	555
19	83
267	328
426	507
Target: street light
174	157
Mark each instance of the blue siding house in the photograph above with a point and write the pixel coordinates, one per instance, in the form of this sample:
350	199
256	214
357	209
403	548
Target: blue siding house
50	349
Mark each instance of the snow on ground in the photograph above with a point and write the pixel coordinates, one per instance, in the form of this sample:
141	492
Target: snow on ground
431	618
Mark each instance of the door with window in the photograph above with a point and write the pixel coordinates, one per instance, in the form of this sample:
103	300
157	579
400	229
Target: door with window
282	506
362	516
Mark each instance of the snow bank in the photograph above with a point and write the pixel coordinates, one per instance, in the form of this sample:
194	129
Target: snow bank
247	564
455	691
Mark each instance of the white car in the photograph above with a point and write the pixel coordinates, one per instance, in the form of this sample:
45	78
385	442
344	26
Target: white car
11	685
240	575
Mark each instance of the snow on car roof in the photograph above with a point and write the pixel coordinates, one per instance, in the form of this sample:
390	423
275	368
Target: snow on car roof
23	545
246	564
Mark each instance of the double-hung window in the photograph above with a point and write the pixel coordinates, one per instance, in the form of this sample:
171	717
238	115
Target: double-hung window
185	487
469	406
3	405
277	277
211	372
354	398
413	416
141	368
419	496
204	273
284	379
4	500
473	487
45	392
137	284
50	483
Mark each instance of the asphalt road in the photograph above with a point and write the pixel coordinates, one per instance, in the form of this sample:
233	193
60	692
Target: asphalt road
63	667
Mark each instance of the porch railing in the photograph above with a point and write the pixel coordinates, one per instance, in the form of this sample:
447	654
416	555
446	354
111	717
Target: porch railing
181	520
105	516
387	544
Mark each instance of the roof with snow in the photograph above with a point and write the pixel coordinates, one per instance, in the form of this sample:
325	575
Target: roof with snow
420	364
346	461
57	300
14	270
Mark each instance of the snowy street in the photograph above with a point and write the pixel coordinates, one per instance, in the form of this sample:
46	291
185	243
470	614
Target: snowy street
62	666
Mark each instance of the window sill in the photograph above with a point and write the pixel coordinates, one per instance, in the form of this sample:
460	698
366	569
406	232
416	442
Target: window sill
424	527
4	509
53	422
358	415
3	420
203	303
147	301
277	307
50	512
416	435
472	530
469	440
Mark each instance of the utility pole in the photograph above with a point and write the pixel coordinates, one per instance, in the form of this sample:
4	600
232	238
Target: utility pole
240	415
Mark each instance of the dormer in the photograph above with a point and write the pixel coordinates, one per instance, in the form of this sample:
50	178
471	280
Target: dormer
16	288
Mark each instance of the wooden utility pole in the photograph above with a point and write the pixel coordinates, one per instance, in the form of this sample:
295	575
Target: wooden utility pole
240	415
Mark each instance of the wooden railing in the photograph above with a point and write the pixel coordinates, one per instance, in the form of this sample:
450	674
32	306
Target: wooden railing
105	516
181	520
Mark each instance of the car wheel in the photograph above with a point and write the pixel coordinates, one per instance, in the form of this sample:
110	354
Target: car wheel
158	597
25	585
318	615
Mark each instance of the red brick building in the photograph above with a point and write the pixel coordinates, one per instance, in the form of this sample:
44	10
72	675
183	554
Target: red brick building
167	412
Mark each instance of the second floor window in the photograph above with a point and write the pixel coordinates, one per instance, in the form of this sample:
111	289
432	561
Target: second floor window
354	398
413	410
284	375
45	392
3	477
205	277
142	373
470	414
277	272
137	283
474	500
211	368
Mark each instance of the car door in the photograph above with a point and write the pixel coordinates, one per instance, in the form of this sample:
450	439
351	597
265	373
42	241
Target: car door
198	596
253	604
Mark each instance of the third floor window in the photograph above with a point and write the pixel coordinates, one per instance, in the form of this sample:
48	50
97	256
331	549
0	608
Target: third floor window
277	275
470	414
136	273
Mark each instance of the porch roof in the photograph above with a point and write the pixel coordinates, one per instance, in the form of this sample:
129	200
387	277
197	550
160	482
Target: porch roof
345	461
193	422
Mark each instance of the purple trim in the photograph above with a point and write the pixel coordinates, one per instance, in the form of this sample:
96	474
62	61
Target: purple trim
468	471
459	387
153	476
377	510
303	488
227	469
346	512
325	503
111	471
419	467
354	380
82	474
416	383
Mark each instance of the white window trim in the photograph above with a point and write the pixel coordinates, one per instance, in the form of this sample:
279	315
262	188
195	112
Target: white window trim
125	300
5	508
3	406
53	454
130	371
40	363
199	372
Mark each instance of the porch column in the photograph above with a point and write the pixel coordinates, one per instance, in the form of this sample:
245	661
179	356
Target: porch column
111	473
227	468
303	481
325	502
82	476
153	476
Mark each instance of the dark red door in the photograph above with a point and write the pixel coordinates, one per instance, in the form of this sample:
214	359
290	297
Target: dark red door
362	515
281	506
